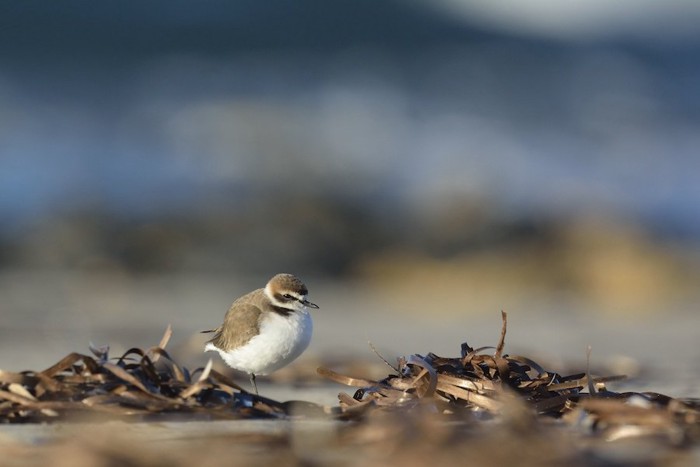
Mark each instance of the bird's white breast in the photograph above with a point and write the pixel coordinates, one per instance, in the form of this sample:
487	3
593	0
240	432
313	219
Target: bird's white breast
281	340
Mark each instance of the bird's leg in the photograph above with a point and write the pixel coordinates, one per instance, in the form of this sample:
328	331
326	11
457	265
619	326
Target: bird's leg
252	381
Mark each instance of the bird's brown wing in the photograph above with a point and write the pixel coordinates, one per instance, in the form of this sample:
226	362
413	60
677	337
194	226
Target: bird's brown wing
231	334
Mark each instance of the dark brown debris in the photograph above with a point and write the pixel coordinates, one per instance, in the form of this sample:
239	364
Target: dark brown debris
136	386
494	385
424	392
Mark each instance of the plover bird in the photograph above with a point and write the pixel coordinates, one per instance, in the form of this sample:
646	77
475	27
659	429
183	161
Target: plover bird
265	329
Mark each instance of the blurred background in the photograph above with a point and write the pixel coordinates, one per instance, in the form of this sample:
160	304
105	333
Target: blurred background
422	165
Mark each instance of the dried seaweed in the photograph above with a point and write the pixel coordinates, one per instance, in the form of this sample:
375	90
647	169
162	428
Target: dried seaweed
476	385
492	384
138	385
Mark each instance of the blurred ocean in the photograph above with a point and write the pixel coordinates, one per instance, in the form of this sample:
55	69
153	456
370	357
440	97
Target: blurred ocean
398	107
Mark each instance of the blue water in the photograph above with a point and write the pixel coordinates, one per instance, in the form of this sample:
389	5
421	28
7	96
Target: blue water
534	127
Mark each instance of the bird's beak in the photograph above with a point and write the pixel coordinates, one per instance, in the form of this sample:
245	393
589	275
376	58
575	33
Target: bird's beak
309	304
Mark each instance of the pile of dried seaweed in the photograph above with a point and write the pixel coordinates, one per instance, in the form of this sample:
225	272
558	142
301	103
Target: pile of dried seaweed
142	385
492	384
137	385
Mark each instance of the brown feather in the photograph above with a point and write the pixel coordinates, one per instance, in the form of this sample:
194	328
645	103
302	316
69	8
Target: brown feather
246	309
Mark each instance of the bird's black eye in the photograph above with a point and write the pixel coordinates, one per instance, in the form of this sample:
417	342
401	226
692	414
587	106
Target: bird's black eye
289	297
